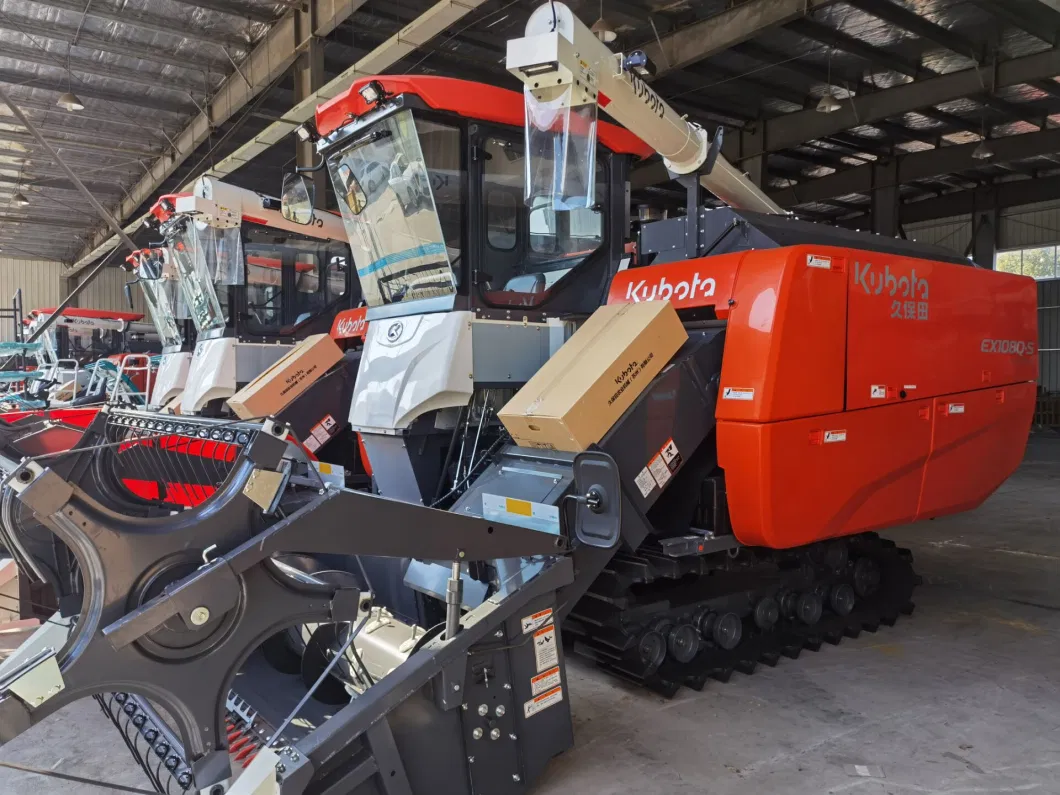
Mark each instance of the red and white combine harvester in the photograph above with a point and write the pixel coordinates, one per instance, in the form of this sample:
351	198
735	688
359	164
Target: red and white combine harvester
674	489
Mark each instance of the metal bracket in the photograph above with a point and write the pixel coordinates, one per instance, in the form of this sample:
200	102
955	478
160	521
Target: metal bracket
36	680
260	776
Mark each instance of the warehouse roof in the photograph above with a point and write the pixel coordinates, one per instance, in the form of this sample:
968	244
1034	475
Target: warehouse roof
173	87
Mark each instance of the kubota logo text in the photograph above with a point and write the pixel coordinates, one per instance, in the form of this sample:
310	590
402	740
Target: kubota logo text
664	291
909	292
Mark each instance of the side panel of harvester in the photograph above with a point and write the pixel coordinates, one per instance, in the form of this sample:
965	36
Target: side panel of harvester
858	390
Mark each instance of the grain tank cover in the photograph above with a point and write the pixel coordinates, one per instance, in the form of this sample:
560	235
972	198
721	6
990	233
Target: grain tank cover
725	230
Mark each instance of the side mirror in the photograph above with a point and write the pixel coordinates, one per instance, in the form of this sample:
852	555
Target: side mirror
296	199
150	269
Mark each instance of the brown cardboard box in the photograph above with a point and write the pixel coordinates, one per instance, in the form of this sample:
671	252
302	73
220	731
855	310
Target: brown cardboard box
580	392
288	378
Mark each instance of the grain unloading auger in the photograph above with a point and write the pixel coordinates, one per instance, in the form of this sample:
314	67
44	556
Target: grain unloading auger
825	385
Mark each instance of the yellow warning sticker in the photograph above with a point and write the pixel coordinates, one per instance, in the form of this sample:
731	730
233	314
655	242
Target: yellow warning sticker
519	507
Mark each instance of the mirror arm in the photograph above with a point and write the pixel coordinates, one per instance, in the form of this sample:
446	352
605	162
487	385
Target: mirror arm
310	169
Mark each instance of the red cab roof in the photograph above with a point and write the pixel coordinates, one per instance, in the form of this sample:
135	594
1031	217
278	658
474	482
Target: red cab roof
95	314
464	97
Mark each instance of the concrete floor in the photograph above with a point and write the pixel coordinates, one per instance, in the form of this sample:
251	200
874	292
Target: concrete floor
964	697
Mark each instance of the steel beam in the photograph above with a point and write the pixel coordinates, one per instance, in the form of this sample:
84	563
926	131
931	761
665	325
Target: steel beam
1046	30
271	58
794	128
720	32
139	100
36	220
920	26
88	41
84	66
151	22
235	9
78	145
329	14
997	197
918	165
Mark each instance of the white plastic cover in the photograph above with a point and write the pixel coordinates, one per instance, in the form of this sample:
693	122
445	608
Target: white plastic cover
561	152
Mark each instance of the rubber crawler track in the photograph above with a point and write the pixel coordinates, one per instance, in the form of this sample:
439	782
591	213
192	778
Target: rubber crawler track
647	592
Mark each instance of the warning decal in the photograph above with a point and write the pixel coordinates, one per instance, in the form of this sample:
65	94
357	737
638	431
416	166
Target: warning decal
537	620
311	444
956	408
645	482
834	436
659	470
542	702
321	432
671	455
878	391
546	681
817	261
545	652
737	393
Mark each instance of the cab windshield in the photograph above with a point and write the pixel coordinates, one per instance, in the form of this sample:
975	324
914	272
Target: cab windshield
204	257
160	295
399	187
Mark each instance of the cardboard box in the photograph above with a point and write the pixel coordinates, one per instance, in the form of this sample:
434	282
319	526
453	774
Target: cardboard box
581	392
273	390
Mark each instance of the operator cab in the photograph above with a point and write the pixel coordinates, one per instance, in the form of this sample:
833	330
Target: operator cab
251	281
255	277
429	175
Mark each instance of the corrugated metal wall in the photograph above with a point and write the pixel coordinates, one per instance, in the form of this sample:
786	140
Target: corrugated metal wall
40	281
1049	334
1021	227
954	234
107	292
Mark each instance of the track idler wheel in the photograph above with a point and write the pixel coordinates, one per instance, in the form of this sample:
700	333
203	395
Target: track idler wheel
808	608
683	643
727	631
767	613
651	649
866	577
842	599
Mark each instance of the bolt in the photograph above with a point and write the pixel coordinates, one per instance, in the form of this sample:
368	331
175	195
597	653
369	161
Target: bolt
463	707
477	733
507	686
483	710
499	633
471	760
516	778
495	734
513	736
281	768
200	615
500	710
456	688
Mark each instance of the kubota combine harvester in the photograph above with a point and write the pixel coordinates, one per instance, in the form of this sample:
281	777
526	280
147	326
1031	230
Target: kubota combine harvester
686	494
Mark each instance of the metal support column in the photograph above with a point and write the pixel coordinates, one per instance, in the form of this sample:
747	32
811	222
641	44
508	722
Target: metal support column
885	198
747	149
309	76
984	237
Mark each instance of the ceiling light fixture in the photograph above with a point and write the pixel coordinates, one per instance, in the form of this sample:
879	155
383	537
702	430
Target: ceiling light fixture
983	151
828	103
68	100
602	29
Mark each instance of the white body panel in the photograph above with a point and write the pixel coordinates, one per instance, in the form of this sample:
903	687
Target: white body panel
171	377
410	366
212	374
220	366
